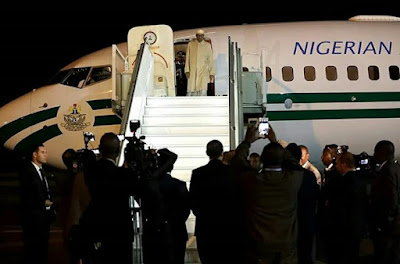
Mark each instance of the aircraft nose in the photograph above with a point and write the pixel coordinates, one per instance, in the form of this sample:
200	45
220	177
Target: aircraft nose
14	119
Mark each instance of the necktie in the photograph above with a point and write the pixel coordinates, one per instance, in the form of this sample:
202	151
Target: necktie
44	180
42	175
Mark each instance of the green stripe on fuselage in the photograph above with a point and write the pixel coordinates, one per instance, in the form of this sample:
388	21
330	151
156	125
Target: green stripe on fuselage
100	104
39	136
333	114
106	120
333	97
12	128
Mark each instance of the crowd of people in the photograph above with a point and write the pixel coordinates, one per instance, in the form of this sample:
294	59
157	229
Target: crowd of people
273	207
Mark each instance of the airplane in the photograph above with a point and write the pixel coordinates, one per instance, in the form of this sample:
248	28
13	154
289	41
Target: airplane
318	82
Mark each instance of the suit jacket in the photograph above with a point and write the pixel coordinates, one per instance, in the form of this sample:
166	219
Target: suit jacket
176	196
168	239
213	200
307	203
346	209
385	198
108	215
33	196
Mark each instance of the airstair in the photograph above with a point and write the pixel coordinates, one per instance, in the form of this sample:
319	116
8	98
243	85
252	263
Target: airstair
142	93
185	125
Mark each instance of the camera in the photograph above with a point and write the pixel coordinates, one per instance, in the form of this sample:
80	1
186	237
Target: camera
141	159
363	161
87	137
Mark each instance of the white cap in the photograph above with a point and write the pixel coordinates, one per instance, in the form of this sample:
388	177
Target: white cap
200	32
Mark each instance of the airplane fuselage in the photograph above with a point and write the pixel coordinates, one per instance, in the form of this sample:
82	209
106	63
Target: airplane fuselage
323	82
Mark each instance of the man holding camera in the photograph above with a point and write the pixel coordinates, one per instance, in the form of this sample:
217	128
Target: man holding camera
108	218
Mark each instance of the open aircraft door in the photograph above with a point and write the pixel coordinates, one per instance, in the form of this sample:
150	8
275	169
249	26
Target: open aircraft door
160	41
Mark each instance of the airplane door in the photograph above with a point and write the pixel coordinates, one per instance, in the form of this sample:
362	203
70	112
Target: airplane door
160	39
251	83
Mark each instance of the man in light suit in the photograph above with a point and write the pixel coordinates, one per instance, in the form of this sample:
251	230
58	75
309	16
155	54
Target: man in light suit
36	212
306	164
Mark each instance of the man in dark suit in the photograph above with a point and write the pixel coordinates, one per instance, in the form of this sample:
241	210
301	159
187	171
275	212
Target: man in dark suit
181	80
212	196
306	211
108	218
385	205
271	198
37	213
346	212
168	243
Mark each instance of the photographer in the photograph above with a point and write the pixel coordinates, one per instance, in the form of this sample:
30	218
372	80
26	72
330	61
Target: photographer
108	219
76	202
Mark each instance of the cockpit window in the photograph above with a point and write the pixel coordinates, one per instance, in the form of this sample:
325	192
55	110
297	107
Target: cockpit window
59	77
79	77
99	74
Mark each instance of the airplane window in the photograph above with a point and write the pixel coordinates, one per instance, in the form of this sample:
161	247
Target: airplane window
352	73
99	74
287	73
373	73
309	73
77	77
394	72
331	73
59	77
268	74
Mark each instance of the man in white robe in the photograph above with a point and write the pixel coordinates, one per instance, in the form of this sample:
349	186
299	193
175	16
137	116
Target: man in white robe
199	66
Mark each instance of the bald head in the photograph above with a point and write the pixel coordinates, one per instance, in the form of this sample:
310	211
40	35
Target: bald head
109	146
384	150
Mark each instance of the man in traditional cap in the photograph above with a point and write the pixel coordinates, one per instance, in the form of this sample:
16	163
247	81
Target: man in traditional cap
199	66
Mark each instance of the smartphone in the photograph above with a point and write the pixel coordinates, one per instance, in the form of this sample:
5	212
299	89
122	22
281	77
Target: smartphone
263	126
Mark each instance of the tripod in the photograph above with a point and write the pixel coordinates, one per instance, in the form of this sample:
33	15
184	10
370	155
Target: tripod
136	212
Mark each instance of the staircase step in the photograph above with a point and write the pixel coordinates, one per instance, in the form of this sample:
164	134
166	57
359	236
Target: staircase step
187	100
186	149
185	119
185	129
195	162
154	140
186	109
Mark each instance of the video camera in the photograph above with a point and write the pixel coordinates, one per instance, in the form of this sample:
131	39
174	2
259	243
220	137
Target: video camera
363	161
82	156
141	160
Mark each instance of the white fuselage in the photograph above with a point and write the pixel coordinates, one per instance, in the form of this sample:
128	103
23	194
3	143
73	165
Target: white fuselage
315	112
